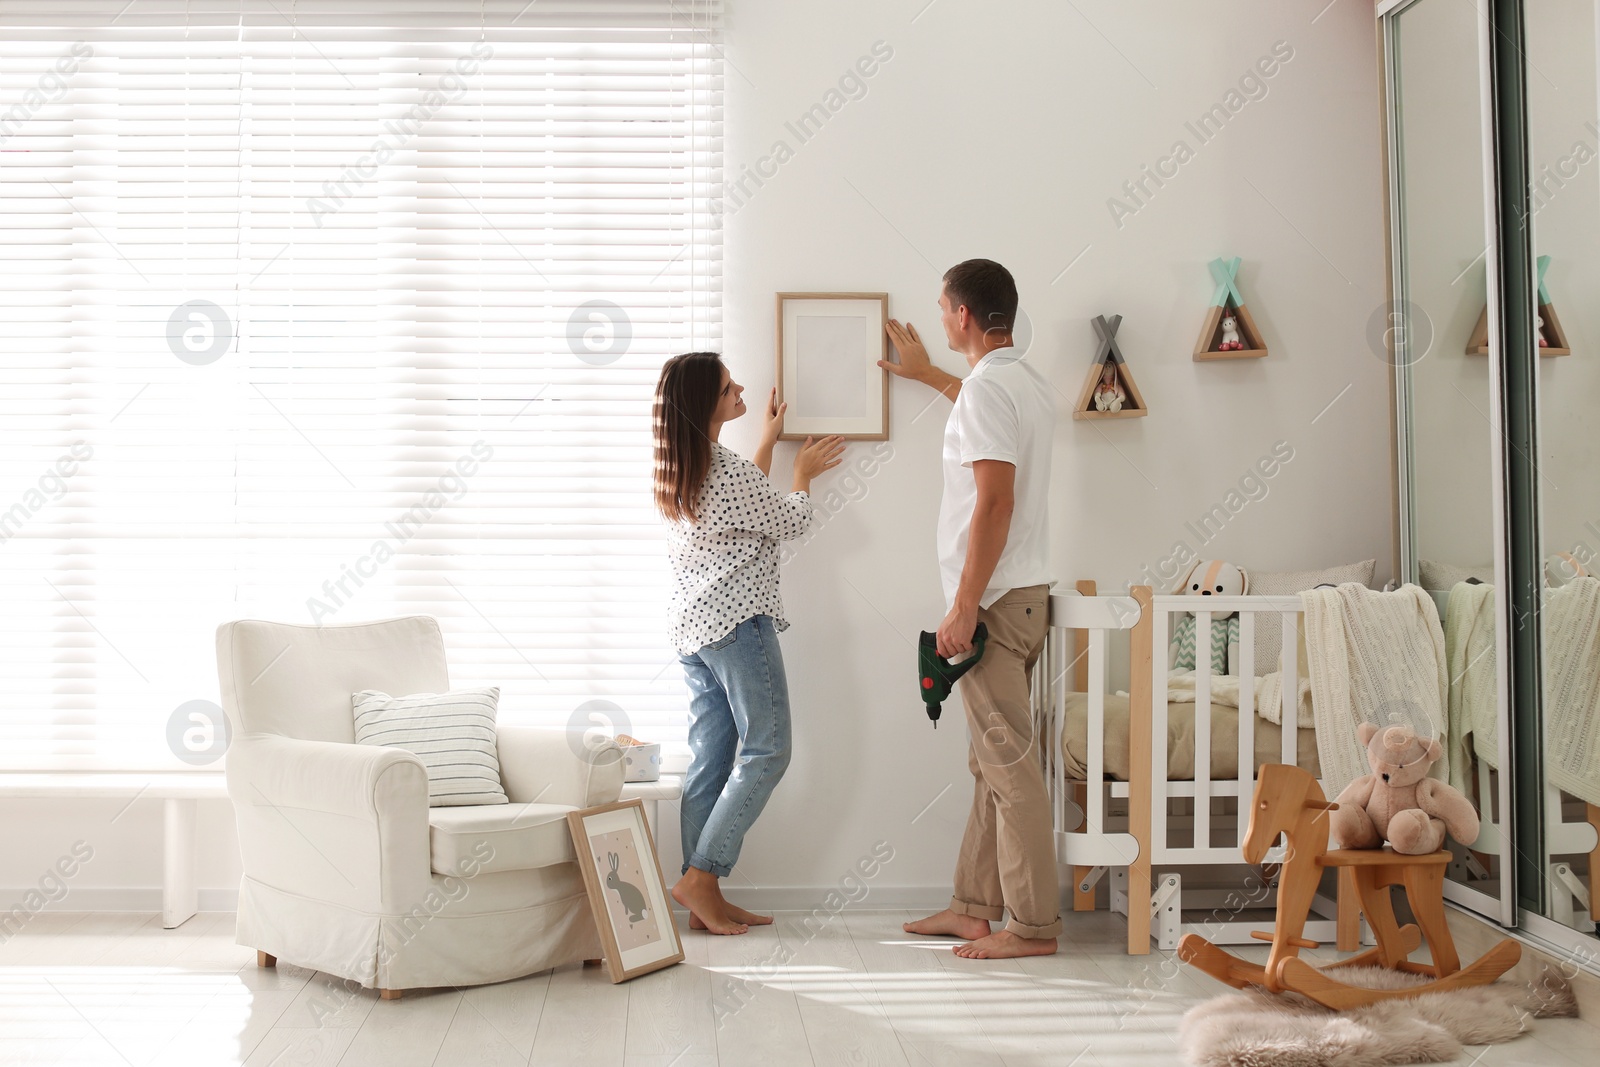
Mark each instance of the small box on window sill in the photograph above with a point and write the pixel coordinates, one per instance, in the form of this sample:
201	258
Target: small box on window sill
641	760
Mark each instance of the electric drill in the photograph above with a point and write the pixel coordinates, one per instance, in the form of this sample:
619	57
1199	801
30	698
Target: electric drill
936	676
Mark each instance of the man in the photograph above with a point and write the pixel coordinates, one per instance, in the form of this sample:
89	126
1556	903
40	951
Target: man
994	560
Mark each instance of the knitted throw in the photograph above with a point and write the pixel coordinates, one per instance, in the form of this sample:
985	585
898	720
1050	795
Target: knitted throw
1474	698
1572	688
1372	657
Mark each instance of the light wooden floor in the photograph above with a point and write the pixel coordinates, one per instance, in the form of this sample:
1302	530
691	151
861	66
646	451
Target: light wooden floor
117	989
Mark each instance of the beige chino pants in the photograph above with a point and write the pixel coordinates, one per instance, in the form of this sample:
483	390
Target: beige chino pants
1007	860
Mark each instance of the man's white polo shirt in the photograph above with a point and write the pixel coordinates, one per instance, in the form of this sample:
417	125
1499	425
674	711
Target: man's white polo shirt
1004	412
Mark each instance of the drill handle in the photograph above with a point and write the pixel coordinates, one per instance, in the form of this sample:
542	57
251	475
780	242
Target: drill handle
953	671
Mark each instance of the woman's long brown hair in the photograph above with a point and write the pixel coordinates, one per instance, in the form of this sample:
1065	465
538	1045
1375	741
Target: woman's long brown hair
686	396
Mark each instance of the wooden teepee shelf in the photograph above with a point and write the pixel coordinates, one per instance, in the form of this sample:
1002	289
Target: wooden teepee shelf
1552	333
1109	353
1228	300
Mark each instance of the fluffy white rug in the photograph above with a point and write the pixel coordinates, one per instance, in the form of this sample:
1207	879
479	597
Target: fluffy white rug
1259	1029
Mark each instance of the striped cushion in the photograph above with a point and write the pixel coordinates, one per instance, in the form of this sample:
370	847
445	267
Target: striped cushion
453	733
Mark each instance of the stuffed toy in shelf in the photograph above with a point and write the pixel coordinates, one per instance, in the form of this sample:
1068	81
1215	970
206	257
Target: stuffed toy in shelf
1230	334
1398	802
1109	395
1209	577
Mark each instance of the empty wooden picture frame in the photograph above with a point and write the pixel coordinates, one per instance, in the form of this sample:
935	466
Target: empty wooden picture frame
627	894
828	349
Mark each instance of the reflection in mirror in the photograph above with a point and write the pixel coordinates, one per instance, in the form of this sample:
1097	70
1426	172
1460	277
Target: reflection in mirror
1564	158
1438	141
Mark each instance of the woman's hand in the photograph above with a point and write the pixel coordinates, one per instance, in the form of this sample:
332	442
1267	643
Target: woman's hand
771	429
814	458
772	418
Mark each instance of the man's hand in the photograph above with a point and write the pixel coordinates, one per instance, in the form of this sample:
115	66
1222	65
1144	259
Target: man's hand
914	362
955	632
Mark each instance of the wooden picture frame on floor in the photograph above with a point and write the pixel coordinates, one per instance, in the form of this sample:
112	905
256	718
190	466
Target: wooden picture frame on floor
627	893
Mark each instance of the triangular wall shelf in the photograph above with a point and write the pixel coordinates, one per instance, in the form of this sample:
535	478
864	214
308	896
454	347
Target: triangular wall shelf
1227	300
1552	337
1123	393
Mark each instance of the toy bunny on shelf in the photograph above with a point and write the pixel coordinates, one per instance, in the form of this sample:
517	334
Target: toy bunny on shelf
1109	395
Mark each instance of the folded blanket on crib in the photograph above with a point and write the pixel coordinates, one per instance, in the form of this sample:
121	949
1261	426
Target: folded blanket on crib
1181	689
1371	656
1572	688
1473	699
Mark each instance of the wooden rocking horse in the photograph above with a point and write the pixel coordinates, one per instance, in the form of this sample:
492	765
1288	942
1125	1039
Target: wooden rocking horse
1289	801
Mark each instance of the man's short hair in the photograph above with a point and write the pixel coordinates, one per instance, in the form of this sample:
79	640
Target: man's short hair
987	290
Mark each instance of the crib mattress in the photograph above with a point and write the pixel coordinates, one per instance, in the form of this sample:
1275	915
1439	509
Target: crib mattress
1180	740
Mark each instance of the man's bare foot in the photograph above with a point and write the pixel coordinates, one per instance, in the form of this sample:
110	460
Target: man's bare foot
948	924
697	891
737	914
1005	945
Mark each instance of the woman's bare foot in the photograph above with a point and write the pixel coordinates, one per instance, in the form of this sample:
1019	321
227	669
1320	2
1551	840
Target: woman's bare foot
948	924
736	913
697	891
1006	945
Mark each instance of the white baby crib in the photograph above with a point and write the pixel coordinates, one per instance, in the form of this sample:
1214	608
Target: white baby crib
1127	828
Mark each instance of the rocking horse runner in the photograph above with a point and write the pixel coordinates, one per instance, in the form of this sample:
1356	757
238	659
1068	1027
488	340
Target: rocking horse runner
1289	801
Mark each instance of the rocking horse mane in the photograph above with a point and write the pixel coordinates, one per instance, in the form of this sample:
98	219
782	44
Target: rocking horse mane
1288	800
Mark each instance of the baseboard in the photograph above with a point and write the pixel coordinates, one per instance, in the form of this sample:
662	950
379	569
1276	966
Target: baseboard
833	898
772	898
1475	936
122	898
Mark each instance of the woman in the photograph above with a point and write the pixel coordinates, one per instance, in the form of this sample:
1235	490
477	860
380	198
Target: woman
724	523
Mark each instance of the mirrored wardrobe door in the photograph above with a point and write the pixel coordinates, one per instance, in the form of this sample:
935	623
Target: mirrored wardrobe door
1563	94
1450	497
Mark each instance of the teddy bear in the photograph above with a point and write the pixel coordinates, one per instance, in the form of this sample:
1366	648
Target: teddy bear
1398	802
1209	577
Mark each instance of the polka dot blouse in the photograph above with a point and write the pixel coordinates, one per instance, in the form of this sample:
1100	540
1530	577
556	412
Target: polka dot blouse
725	563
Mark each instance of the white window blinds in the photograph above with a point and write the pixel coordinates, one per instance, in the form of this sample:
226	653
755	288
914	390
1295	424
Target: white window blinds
330	310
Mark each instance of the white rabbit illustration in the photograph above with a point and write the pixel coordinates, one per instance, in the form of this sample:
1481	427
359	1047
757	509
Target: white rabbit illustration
629	894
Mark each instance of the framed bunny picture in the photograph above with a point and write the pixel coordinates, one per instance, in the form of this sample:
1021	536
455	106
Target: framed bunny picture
627	894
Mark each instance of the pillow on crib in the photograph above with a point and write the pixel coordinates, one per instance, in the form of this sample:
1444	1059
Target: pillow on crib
1443	577
1269	625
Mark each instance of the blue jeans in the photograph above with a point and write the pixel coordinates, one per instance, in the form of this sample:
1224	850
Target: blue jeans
738	741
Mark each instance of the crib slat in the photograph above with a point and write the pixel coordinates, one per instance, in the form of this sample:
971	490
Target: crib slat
1097	730
1058	714
1202	729
1160	664
1291	688
1247	717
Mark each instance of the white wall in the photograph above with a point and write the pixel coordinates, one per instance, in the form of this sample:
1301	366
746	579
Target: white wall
1002	130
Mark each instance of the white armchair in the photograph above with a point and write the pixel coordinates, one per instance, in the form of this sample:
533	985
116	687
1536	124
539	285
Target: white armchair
346	867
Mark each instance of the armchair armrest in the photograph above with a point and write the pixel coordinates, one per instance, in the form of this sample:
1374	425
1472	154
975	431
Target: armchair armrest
333	821
539	766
